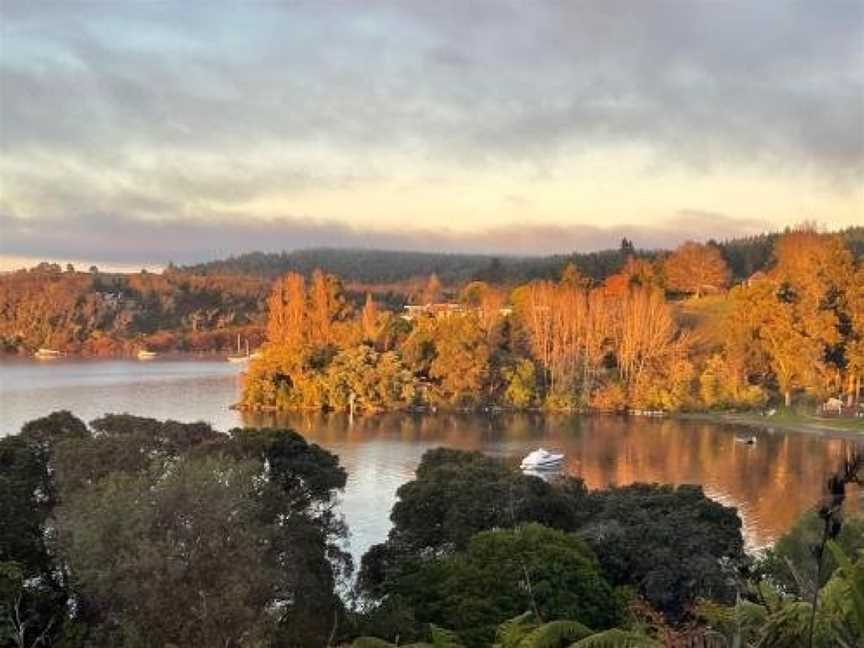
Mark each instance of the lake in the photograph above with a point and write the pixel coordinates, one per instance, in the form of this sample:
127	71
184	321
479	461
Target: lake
770	483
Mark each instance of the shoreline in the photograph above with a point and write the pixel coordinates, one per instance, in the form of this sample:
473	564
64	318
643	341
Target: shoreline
852	429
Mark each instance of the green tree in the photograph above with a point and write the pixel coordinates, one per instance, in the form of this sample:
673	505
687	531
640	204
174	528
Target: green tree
668	542
183	560
34	592
521	380
503	572
176	533
790	564
461	364
370	380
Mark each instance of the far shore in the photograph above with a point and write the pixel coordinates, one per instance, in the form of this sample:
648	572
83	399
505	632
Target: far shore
849	428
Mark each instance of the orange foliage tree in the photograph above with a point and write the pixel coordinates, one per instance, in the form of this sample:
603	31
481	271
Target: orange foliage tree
695	269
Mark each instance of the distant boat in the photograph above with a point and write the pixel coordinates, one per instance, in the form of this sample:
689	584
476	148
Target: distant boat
542	459
751	440
240	357
144	354
46	354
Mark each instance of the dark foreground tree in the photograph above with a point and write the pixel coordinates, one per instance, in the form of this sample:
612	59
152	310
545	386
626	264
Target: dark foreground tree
670	544
503	573
456	495
185	559
169	534
33	591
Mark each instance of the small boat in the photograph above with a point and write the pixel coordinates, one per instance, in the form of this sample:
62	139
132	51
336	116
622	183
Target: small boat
46	354
144	354
751	440
239	357
542	459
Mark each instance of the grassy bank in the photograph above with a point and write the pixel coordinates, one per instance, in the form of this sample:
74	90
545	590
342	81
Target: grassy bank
786	420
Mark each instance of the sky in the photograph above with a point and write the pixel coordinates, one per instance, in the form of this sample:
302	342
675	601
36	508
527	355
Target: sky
134	133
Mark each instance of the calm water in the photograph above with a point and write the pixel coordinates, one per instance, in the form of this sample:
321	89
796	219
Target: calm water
770	484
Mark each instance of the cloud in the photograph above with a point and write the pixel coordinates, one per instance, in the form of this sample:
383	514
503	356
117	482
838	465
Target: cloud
702	84
155	120
114	238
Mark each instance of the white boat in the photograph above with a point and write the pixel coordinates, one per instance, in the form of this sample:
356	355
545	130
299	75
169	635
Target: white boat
751	440
542	459
144	354
44	354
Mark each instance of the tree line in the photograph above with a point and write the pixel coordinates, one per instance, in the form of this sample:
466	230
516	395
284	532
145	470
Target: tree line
666	334
204	307
744	256
133	532
97	313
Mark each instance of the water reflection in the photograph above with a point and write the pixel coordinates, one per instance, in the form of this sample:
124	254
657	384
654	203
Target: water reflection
771	482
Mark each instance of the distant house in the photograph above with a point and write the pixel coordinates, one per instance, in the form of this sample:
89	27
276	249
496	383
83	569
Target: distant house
444	309
412	311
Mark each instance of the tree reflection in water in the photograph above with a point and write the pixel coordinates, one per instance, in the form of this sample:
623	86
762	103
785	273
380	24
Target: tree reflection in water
771	483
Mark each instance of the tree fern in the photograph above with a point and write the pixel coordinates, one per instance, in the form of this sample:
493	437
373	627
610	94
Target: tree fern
555	634
443	638
852	576
789	627
616	638
512	631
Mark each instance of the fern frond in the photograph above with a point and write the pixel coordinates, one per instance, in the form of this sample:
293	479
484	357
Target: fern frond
512	631
555	634
853	578
443	638
617	638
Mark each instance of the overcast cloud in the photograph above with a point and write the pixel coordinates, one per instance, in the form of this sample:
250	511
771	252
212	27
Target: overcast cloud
116	116
117	239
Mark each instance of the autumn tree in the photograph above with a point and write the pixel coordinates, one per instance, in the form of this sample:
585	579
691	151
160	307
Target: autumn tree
634	273
816	272
779	331
326	307
696	268
369	323
461	364
855	341
818	267
432	291
286	321
569	318
597	327
487	301
570	276
649	348
534	304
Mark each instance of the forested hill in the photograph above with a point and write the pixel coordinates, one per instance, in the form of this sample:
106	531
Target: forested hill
205	307
386	266
744	256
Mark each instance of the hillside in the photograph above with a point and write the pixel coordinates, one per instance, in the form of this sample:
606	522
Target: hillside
744	255
203	307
